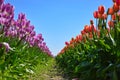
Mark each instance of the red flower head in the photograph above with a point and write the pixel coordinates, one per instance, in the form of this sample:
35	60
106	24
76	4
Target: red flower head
91	22
116	7
66	43
113	17
95	14
82	32
114	1
101	9
110	11
118	2
104	16
110	23
86	28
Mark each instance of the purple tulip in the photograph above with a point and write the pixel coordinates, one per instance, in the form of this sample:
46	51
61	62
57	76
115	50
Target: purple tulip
21	16
1	2
20	28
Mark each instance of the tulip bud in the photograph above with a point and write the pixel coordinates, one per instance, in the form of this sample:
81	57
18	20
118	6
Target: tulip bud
66	43
91	22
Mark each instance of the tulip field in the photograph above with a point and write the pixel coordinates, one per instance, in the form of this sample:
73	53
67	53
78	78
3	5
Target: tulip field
94	54
20	48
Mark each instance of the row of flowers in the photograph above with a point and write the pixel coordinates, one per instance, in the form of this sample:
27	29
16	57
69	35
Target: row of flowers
20	28
94	54
91	31
21	50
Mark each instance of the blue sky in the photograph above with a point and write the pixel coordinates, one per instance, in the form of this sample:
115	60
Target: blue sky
58	20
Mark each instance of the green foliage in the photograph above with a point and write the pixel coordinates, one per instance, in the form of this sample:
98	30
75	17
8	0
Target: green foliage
20	62
95	59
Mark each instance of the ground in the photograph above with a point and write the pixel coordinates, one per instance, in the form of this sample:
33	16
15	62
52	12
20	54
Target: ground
47	72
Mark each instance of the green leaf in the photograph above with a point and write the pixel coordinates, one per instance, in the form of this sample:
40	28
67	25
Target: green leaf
114	76
118	29
113	41
109	68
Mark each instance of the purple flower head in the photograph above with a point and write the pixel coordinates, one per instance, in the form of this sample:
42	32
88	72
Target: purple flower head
21	16
39	45
23	23
13	33
27	23
1	2
29	29
36	40
13	23
9	9
6	14
31	43
44	44
40	37
33	33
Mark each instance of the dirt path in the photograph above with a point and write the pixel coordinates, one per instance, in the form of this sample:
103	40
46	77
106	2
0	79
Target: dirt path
47	72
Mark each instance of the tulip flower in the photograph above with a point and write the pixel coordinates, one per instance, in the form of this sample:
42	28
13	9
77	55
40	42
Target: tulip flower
104	16
118	2
1	2
66	43
110	23
100	16
110	11
91	22
82	32
116	7
113	17
86	28
95	14
114	1
101	9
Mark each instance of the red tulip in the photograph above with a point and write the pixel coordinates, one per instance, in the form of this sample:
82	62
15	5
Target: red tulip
110	11
110	23
82	32
91	22
104	16
114	1
101	9
90	35
118	2
113	17
95	14
100	16
66	43
115	7
86	28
